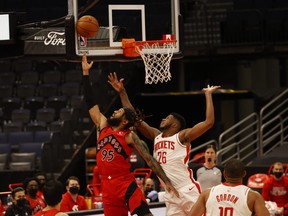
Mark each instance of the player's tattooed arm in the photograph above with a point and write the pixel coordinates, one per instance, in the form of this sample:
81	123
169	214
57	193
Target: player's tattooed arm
152	163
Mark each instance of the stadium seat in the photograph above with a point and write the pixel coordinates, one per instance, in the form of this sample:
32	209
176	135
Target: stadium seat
70	88
7	78
21	115
5	148
12	126
8	105
73	75
47	89
33	104
42	136
45	114
24	157
52	77
25	90
14	138
31	147
29	77
36	126
20	166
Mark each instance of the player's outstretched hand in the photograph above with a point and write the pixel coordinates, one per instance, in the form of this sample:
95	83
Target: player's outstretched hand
211	89
85	65
170	188
115	83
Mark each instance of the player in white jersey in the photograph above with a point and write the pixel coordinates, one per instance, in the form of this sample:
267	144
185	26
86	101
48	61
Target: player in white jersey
230	198
171	148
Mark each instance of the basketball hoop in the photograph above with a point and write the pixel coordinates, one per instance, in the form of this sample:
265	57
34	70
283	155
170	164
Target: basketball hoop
156	56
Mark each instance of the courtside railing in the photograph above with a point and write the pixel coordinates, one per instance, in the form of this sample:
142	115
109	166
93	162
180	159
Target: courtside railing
254	136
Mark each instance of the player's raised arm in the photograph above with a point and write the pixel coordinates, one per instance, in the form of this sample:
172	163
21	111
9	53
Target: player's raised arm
97	117
144	128
190	134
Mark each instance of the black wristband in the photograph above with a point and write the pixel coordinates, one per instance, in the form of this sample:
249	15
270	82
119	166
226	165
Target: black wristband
89	97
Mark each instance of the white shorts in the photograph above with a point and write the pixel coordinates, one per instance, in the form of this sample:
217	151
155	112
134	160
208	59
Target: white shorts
182	205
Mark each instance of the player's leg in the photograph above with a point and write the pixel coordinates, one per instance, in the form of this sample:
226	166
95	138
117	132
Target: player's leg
137	203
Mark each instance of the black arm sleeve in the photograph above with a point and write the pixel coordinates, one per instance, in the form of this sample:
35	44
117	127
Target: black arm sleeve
89	97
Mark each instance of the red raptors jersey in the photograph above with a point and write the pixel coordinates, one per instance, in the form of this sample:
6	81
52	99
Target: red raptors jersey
113	153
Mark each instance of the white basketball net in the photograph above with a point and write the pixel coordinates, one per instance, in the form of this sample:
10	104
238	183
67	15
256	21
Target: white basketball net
157	61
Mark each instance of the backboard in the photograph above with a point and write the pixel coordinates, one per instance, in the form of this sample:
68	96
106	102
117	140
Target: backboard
139	19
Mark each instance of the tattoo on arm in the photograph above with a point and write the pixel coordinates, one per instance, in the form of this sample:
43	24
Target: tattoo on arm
151	161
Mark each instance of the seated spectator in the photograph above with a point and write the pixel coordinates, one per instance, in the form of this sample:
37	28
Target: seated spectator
209	174
72	200
52	192
20	206
31	186
148	190
41	177
275	188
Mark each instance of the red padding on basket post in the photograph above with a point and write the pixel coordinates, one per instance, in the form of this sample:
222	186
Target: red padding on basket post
128	46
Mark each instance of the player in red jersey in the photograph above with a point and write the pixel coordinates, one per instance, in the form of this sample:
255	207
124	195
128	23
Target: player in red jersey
114	146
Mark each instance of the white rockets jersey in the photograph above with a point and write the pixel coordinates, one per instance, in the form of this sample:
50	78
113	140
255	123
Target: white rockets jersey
227	200
173	156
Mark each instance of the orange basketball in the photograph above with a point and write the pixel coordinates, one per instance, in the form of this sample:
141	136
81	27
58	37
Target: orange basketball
87	26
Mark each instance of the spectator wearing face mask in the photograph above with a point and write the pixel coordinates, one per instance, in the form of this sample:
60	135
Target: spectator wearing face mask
41	177
72	200
209	175
31	186
275	188
20	206
148	190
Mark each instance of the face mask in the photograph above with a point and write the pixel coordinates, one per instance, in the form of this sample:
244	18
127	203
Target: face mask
21	202
74	190
278	174
32	192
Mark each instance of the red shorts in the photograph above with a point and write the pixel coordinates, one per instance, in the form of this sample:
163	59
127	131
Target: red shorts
121	194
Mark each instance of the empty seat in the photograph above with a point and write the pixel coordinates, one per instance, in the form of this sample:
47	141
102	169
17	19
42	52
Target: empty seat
47	89
5	148
52	76
31	147
42	136
3	138
4	160
29	77
73	75
29	157
14	138
7	78
36	126
8	105
12	126
56	126
76	101
33	104
21	115
25	90
45	114
70	88
57	103
20	166
66	114
6	91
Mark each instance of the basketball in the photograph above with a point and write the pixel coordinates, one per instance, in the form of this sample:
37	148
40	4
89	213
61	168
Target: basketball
87	26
